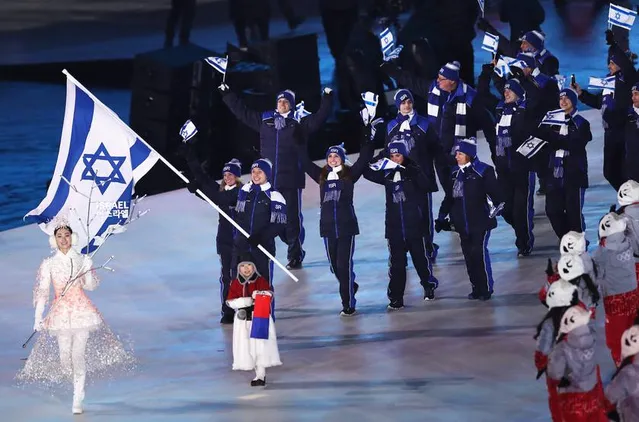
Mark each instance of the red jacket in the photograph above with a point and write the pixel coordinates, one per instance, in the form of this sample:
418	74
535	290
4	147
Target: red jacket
237	289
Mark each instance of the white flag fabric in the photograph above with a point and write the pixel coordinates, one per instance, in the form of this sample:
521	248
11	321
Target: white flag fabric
554	117
102	159
490	43
384	164
531	146
300	112
387	40
562	81
370	102
607	83
502	68
217	63
188	131
621	17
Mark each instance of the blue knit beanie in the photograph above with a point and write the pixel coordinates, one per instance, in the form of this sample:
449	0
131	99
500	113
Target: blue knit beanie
265	165
450	71
288	95
403	95
527	58
571	94
468	147
515	86
398	147
234	166
535	38
339	150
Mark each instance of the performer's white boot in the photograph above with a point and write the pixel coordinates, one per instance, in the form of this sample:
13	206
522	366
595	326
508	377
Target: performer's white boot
78	393
260	377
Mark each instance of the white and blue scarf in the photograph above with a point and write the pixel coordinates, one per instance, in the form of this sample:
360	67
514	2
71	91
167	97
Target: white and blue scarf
458	184
332	185
279	120
398	188
558	118
278	204
503	130
460	97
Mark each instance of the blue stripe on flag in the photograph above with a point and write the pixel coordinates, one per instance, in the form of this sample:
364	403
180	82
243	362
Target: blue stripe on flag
82	119
259	328
139	153
112	220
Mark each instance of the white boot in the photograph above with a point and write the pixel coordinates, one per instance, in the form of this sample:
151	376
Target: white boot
78	394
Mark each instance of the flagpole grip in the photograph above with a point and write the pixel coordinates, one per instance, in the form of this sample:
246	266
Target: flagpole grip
176	171
241	230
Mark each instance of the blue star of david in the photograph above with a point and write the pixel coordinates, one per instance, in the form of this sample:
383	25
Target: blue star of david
103	181
617	15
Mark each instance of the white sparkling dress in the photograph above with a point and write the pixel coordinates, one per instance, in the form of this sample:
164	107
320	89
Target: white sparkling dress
72	319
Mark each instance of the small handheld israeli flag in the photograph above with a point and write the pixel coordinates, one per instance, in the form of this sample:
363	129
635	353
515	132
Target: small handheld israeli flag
188	131
370	101
300	112
384	164
490	43
217	63
607	83
561	81
531	146
554	117
502	68
621	17
387	40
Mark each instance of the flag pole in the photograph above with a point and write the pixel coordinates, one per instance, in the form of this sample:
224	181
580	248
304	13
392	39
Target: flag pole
225	69
181	176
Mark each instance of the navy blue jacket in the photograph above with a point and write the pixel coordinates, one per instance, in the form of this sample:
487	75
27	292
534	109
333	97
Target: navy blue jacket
575	164
403	219
426	150
281	146
337	217
256	216
521	127
631	138
470	213
225	199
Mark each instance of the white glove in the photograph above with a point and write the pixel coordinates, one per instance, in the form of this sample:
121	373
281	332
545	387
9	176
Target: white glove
366	118
224	87
266	293
255	292
37	325
327	90
394	54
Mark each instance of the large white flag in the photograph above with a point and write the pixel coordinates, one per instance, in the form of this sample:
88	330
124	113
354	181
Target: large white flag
99	161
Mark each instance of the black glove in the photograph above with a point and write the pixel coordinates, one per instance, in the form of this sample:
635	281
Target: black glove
254	240
487	68
484	25
610	37
564	382
443	224
613	415
193	186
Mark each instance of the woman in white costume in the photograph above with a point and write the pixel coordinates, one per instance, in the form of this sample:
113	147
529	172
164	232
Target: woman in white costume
252	352
73	340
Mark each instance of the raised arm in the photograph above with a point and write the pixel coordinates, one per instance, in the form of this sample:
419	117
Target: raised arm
313	170
374	176
313	122
250	118
367	148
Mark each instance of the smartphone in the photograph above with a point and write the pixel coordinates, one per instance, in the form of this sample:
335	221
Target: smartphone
573	81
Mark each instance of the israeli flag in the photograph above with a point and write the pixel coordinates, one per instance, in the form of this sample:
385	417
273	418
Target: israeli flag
502	68
217	63
99	162
300	112
387	40
620	16
561	81
531	146
188	131
554	117
384	164
490	43
370	102
607	83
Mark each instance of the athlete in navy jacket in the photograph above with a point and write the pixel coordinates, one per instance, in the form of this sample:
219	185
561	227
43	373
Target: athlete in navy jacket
470	215
225	196
280	137
338	222
406	189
